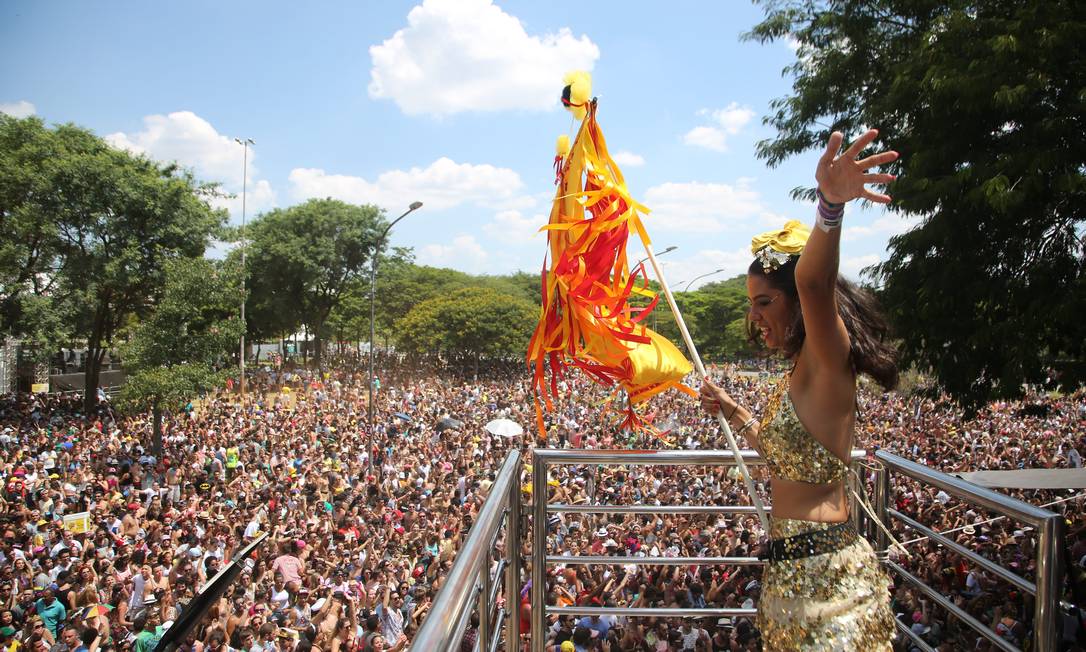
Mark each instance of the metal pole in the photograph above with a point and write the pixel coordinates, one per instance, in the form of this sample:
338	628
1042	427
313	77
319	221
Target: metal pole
372	434
415	205
882	501
512	568
483	605
697	278
665	251
539	550
1046	621
244	187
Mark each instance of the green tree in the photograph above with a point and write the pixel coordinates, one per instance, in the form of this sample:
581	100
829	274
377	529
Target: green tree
986	102
33	169
710	311
401	286
475	320
93	227
175	353
303	259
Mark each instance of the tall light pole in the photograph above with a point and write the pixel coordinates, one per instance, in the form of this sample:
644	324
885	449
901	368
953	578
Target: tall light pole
244	186
415	205
687	289
665	251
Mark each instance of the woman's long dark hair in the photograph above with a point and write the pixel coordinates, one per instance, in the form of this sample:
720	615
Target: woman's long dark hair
868	331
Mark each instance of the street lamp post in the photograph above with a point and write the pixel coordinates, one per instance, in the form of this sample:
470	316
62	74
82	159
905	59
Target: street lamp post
373	284
665	251
687	289
244	186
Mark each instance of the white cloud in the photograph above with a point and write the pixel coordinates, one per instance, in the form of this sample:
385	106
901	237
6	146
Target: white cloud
682	272
469	55
702	207
851	266
884	226
187	138
463	253
707	137
512	227
20	109
193	142
260	196
443	184
726	122
628	159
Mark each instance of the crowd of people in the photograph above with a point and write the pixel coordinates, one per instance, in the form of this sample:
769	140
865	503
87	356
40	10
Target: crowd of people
105	540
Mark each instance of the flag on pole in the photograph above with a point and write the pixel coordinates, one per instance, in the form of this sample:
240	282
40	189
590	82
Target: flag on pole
586	320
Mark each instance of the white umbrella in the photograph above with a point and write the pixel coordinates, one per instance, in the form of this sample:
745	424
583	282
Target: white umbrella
504	428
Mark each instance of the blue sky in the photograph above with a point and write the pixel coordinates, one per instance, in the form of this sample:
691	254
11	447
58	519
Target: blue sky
450	102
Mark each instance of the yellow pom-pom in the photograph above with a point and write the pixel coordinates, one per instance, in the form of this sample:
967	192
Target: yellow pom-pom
577	91
563	146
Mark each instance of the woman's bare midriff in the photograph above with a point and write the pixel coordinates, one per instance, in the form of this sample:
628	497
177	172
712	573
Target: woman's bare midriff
824	503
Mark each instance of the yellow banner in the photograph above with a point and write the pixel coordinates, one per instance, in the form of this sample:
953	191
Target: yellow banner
77	523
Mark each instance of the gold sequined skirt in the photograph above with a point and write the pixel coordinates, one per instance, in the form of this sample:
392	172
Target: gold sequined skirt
833	601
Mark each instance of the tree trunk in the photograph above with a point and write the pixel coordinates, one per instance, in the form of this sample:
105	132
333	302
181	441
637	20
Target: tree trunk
90	380
305	347
156	441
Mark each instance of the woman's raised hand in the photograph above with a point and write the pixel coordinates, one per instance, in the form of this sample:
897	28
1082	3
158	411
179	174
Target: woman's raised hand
844	178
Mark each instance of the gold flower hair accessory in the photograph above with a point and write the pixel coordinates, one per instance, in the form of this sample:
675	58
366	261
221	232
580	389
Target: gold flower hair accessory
774	248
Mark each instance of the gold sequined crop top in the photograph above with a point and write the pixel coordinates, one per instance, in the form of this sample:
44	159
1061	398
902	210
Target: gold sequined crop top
792	453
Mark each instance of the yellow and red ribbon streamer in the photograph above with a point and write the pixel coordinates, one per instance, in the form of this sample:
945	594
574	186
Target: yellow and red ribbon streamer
586	319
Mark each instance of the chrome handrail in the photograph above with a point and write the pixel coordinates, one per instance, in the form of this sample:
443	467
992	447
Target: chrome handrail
543	459
1050	533
470	578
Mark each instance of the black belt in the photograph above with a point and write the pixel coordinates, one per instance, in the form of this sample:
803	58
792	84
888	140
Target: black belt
809	544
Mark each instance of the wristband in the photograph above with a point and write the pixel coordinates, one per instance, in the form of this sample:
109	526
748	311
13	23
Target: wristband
829	215
828	204
734	410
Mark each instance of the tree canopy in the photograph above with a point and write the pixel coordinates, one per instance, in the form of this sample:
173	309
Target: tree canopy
303	259
479	321
986	102
90	228
177	351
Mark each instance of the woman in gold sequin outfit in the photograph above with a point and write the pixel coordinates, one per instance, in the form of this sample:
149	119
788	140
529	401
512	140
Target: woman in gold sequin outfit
823	587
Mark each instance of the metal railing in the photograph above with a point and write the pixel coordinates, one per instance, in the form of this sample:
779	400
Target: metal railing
473	587
1050	535
471	579
543	459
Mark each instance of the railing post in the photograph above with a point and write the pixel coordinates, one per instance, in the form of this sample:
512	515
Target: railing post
483	605
512	567
1046	620
882	501
539	549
